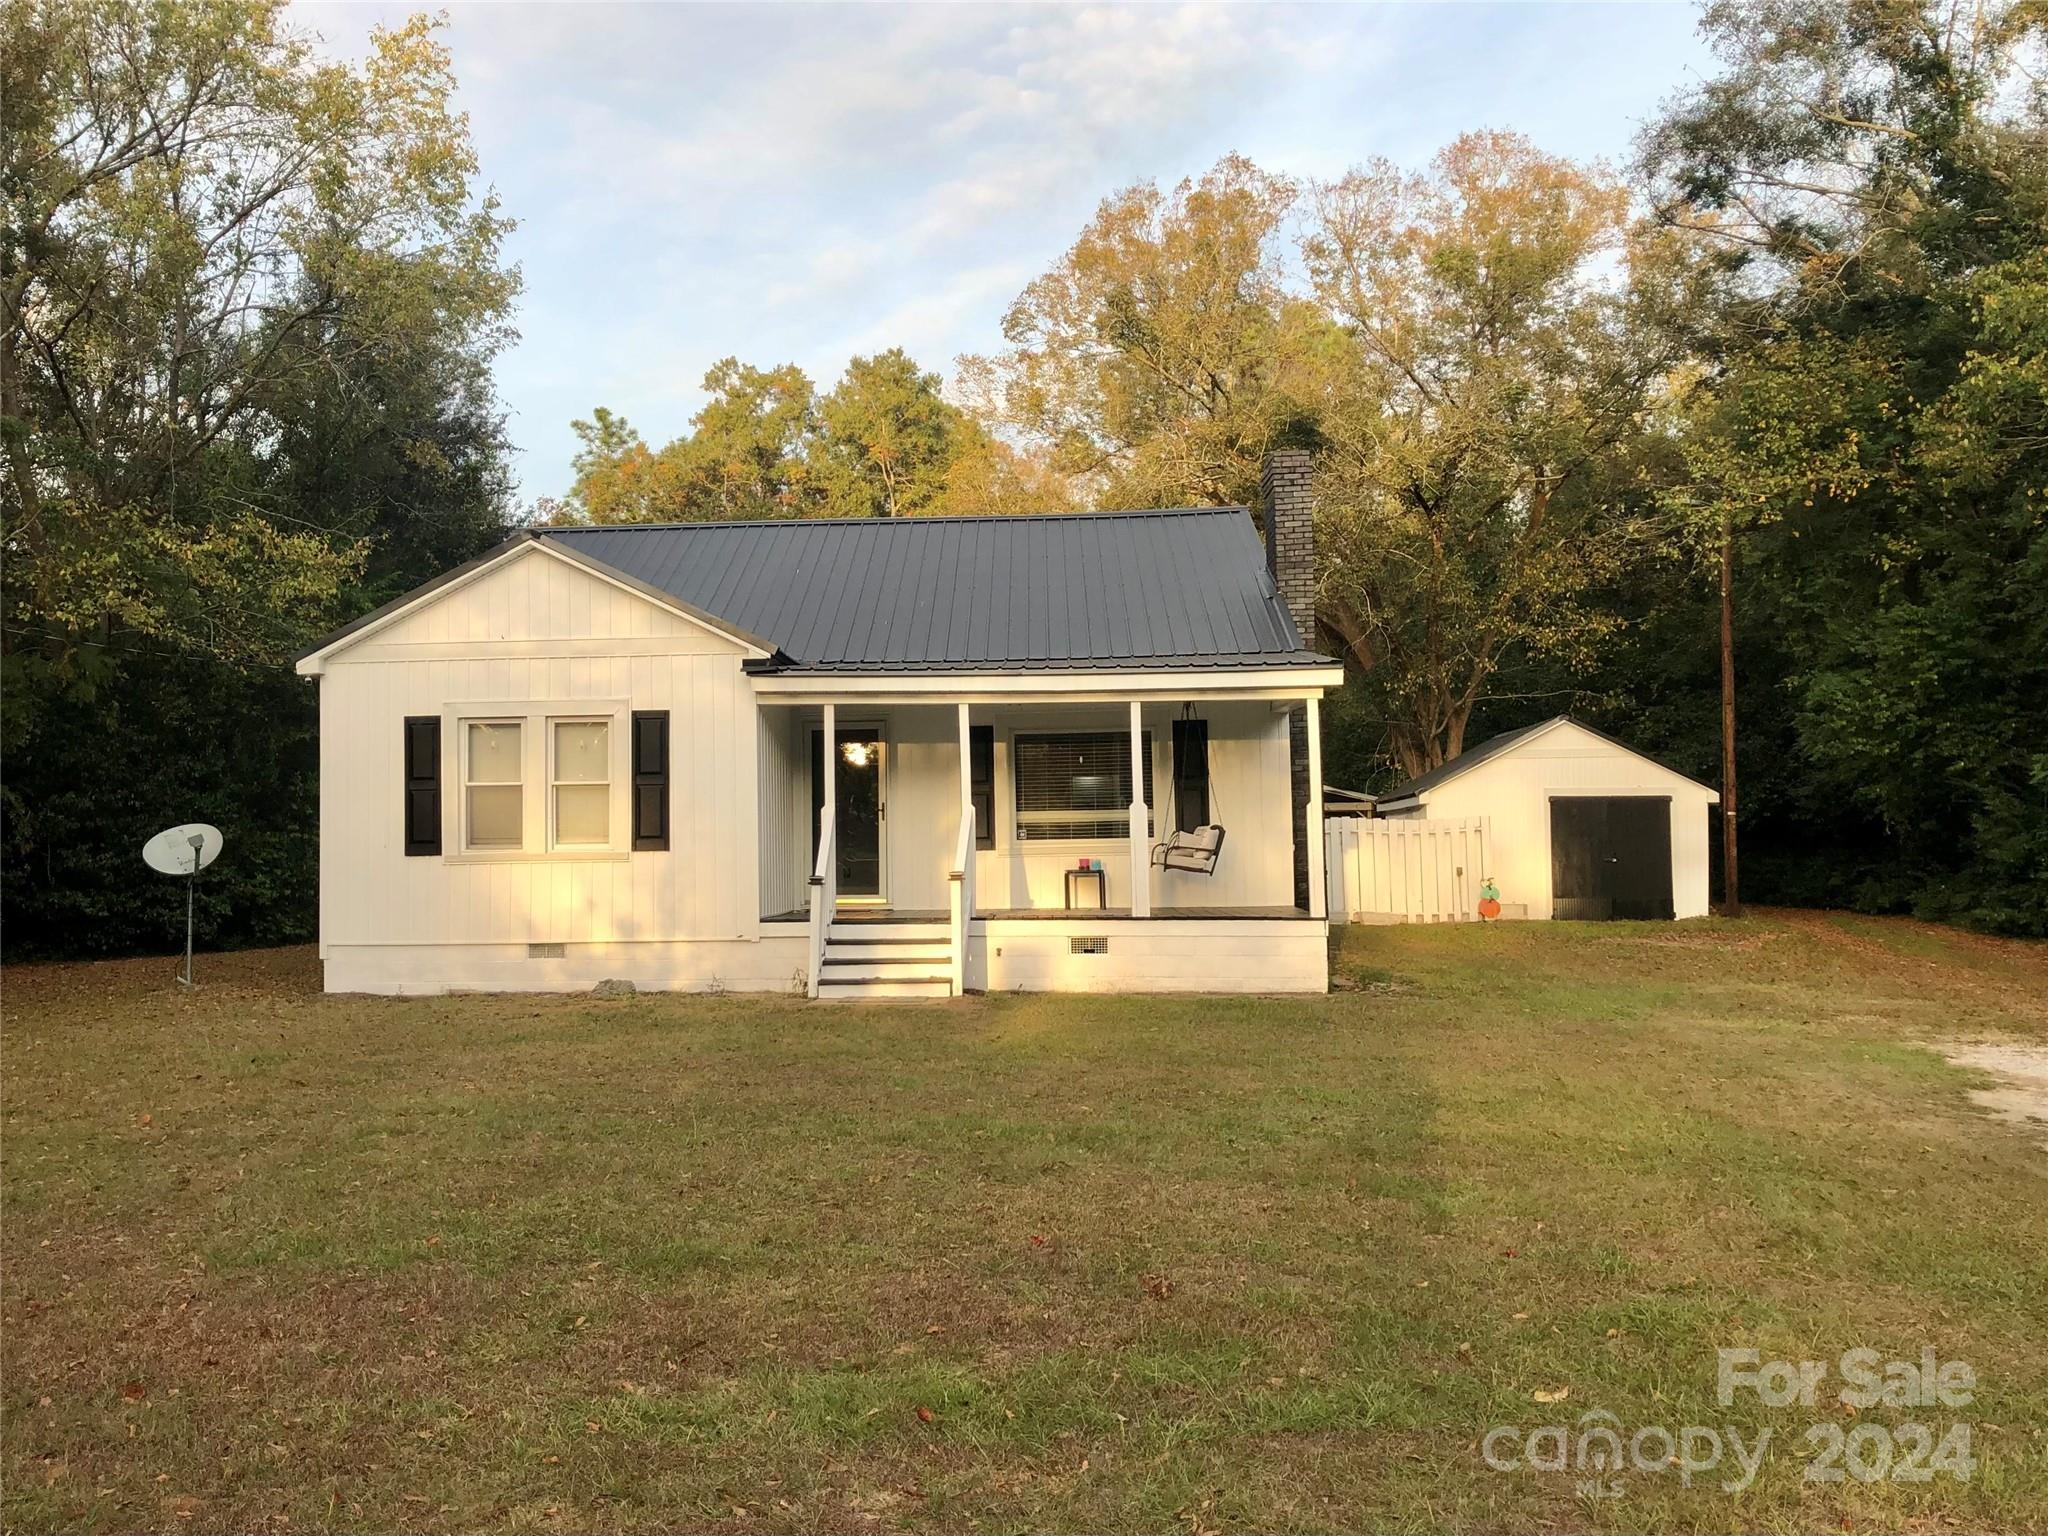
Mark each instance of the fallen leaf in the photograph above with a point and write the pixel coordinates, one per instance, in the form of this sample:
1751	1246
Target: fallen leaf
925	1414
135	1391
1557	1396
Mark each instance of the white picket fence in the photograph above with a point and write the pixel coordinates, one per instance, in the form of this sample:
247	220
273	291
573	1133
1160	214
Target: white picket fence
1402	870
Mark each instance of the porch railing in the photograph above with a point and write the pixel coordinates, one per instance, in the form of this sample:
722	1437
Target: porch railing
960	883
824	896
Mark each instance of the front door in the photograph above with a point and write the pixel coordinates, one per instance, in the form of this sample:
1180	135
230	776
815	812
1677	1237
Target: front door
862	810
1610	856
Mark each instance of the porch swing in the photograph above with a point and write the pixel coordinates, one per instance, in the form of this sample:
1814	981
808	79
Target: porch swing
1193	850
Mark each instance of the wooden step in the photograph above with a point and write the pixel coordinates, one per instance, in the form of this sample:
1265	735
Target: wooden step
890	934
905	953
836	988
835	969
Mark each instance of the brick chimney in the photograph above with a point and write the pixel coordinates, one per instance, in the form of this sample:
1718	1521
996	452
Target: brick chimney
1287	490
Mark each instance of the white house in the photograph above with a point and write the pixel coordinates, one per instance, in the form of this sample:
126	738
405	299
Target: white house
1580	825
854	758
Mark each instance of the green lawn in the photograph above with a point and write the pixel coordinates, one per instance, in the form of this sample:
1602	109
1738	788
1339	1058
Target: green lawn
275	1260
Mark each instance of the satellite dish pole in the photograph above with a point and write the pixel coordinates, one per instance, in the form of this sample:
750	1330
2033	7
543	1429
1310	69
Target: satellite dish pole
191	882
184	851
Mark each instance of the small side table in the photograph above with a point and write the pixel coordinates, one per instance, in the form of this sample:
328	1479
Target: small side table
1083	876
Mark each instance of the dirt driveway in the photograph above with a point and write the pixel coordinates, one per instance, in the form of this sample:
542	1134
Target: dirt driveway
2021	1094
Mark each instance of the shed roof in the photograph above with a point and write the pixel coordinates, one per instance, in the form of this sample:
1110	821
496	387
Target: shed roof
1122	591
1507	741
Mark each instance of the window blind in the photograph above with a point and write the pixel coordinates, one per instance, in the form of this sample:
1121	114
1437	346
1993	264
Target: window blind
1076	785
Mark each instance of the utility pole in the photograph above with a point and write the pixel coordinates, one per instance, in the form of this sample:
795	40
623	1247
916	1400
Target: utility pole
1731	890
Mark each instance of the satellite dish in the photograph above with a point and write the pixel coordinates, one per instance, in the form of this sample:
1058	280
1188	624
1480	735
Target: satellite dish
182	850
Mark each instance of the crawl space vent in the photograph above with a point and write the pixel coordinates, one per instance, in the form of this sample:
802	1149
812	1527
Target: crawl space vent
544	952
1096	946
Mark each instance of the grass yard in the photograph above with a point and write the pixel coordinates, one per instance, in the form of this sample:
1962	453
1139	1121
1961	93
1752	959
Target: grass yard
280	1261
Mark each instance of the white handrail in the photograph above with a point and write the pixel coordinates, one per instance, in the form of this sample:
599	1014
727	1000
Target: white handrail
824	894
961	889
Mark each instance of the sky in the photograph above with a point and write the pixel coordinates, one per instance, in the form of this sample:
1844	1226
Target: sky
807	183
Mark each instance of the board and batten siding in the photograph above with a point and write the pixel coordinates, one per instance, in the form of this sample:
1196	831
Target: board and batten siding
537	629
1513	792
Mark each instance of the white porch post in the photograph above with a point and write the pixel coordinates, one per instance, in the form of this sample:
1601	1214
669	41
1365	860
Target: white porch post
1141	843
960	887
966	771
828	756
1318	893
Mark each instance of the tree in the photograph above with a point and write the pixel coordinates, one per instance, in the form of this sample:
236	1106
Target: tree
887	439
1150	361
748	457
1870	429
619	479
884	443
1480	366
991	477
247	306
190	194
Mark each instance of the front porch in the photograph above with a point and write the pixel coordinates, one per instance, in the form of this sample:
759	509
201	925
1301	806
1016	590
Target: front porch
938	842
851	914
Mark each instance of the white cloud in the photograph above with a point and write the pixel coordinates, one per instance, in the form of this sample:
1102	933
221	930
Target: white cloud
802	182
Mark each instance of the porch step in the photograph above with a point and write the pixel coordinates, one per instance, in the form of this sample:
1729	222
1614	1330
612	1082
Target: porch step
922	951
836	988
893	968
881	958
888	933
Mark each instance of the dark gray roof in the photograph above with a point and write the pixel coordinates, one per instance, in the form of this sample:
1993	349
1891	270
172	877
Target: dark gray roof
1092	590
1493	746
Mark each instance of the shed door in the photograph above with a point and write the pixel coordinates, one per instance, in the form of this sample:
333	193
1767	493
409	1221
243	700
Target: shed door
1610	856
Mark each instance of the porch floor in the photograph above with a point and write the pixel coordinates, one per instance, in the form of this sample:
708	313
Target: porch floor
1045	914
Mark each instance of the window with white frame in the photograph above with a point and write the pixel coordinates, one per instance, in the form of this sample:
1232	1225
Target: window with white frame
1075	785
493	784
580	770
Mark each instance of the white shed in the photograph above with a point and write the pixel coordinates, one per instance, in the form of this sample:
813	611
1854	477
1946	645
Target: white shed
1583	826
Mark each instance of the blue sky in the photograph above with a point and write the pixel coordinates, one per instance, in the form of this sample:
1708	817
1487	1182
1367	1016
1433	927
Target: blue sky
803	183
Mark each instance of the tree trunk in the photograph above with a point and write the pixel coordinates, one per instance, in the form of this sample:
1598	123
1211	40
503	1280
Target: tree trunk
1731	890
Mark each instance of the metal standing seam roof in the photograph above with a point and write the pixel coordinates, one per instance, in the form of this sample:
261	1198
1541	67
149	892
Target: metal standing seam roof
1494	746
1062	592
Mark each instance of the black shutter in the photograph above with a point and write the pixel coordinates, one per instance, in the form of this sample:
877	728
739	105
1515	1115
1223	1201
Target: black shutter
650	779
1190	774
981	782
422	785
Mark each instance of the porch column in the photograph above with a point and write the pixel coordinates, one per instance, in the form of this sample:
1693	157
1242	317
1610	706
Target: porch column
967	772
1141	842
828	755
1318	893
